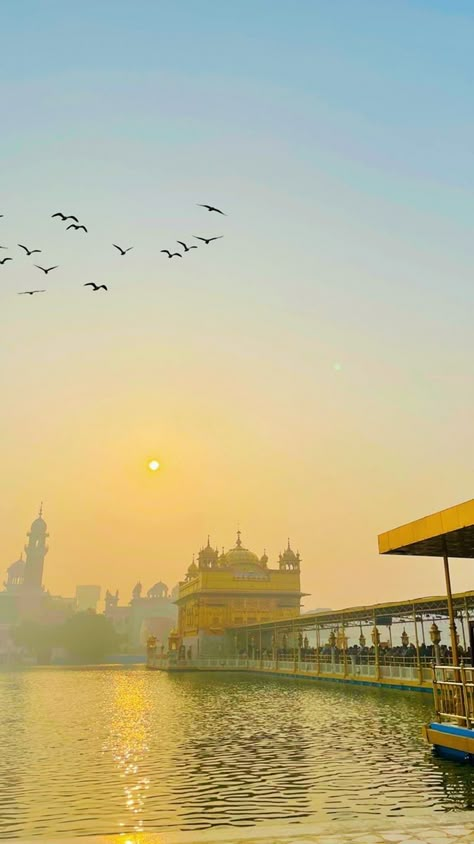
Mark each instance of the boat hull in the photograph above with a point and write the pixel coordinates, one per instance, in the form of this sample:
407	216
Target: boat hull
451	741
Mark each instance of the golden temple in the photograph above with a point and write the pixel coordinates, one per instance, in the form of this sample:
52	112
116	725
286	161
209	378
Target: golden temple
231	589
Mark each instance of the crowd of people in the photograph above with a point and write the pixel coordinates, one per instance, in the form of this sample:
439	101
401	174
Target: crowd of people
405	654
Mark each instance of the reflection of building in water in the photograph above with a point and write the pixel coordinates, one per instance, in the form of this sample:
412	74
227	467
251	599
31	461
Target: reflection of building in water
151	615
87	598
243	767
234	588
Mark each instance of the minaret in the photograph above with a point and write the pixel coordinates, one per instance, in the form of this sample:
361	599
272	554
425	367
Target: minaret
36	550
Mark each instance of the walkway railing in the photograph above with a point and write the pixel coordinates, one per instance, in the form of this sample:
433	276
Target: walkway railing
453	688
399	669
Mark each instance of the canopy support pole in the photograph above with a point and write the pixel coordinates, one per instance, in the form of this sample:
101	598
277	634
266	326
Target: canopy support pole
452	625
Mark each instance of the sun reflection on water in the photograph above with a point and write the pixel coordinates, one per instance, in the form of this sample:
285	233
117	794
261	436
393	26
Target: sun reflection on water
103	751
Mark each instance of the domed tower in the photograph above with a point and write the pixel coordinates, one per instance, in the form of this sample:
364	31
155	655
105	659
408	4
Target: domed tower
207	557
36	550
289	561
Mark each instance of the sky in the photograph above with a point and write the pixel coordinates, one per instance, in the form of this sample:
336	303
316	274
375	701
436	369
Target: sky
310	374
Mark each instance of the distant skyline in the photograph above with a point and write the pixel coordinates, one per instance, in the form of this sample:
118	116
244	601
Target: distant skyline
310	374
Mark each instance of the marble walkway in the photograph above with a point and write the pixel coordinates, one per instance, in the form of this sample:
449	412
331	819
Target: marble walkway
452	828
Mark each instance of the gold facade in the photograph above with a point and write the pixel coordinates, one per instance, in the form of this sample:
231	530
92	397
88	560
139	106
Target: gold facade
236	588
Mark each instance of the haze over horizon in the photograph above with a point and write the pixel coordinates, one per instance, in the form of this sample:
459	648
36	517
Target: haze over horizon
310	375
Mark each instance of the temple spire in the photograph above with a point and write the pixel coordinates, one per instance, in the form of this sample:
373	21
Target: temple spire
239	541
41	510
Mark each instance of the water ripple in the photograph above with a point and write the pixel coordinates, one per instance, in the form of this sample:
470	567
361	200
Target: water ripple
120	750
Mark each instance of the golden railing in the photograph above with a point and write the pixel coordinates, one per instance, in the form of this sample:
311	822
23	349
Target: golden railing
453	688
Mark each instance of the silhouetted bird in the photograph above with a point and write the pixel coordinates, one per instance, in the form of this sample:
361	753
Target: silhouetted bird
65	216
96	286
171	254
46	270
3	247
30	292
122	251
4	260
208	240
186	248
73	226
211	208
28	251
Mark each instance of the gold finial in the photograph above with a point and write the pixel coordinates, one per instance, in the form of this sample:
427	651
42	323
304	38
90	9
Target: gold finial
208	540
41	509
239	541
289	548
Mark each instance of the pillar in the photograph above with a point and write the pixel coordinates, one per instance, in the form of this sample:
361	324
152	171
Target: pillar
417	646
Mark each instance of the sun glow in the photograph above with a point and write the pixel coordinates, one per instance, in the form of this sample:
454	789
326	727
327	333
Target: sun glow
154	465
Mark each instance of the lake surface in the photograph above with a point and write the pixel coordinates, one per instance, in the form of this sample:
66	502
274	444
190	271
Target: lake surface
107	750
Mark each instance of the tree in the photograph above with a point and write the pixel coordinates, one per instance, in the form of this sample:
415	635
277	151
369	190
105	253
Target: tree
88	637
37	638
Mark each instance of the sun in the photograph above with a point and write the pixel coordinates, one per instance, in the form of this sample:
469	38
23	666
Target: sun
153	465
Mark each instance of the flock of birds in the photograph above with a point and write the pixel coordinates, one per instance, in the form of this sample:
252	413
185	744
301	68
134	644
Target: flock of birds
77	226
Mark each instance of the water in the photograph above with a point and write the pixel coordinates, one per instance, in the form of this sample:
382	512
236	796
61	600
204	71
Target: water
106	750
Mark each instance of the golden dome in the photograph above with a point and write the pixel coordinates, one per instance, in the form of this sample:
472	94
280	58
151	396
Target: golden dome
239	555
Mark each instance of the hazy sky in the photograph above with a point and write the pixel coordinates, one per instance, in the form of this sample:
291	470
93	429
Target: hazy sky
309	375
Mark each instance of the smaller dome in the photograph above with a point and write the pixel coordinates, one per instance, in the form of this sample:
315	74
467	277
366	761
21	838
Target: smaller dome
264	559
289	561
158	590
17	567
192	569
288	555
39	524
208	556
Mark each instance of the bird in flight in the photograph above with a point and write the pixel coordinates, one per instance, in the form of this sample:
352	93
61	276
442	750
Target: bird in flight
46	270
30	292
207	240
96	286
28	251
186	248
171	254
3	247
122	251
3	260
73	226
211	208
65	216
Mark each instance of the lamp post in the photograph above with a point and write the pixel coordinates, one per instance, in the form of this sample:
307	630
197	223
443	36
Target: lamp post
332	645
300	645
376	641
435	637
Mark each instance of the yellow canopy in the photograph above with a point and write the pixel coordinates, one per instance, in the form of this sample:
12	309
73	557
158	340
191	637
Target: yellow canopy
449	532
